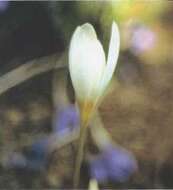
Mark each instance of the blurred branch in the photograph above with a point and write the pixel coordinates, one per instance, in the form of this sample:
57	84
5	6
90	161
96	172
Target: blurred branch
58	142
100	135
38	66
29	70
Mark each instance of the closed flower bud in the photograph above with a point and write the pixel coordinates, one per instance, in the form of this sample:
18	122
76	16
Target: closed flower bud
89	71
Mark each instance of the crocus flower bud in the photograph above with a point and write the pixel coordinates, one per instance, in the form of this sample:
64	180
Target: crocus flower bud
89	71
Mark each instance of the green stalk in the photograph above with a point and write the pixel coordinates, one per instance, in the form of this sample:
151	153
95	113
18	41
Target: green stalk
79	158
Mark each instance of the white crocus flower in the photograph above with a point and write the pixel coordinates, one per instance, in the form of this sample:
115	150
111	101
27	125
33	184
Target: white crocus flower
89	71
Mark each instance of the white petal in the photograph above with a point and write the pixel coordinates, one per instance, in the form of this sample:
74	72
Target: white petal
113	53
93	185
86	62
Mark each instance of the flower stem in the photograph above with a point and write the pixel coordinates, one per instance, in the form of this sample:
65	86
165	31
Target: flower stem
79	158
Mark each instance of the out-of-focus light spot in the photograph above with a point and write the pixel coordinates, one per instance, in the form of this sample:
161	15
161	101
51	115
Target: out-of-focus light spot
131	9
113	164
142	39
14	116
4	6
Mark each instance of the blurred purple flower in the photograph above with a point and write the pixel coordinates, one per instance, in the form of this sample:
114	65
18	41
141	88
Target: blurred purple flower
33	158
36	155
142	39
113	164
3	5
66	121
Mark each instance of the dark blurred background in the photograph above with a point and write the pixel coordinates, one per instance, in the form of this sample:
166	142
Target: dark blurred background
138	109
